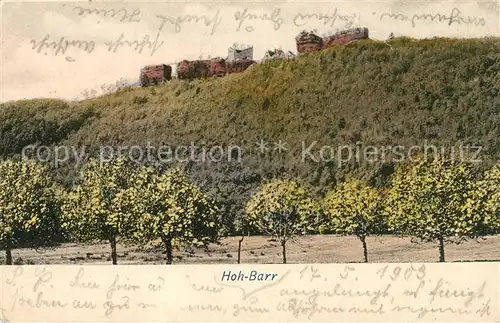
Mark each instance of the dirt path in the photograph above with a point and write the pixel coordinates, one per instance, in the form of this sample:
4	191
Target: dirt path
308	249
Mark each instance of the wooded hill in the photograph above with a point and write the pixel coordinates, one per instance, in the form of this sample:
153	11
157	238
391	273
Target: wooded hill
440	92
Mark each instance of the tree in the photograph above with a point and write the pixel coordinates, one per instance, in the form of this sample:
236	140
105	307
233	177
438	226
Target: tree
484	201
283	209
355	208
243	228
174	210
29	214
99	208
426	201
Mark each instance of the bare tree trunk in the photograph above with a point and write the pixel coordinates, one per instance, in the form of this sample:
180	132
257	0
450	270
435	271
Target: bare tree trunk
114	256
365	249
239	247
168	248
283	243
8	254
441	249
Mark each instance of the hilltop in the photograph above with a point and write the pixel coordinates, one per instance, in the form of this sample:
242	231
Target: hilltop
440	92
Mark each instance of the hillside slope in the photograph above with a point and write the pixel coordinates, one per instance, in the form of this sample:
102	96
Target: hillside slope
440	91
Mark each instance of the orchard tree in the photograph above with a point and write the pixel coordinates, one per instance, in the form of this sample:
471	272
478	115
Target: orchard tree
484	200
354	208
99	208
174	210
426	201
243	228
29	213
284	209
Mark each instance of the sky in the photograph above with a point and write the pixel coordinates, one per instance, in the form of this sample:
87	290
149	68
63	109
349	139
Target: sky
41	58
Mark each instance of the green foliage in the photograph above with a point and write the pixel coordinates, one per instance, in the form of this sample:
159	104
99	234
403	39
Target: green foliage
444	91
426	201
174	210
29	215
492	183
45	122
484	200
284	208
355	208
99	208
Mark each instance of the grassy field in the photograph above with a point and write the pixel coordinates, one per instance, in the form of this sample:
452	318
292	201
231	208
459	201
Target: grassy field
263	250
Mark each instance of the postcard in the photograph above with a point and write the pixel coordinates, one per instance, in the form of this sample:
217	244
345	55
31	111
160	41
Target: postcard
236	161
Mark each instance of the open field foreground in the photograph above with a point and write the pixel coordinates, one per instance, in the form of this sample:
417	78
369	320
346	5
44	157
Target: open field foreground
260	249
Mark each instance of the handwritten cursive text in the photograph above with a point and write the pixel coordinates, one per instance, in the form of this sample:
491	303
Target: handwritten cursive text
274	17
455	17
